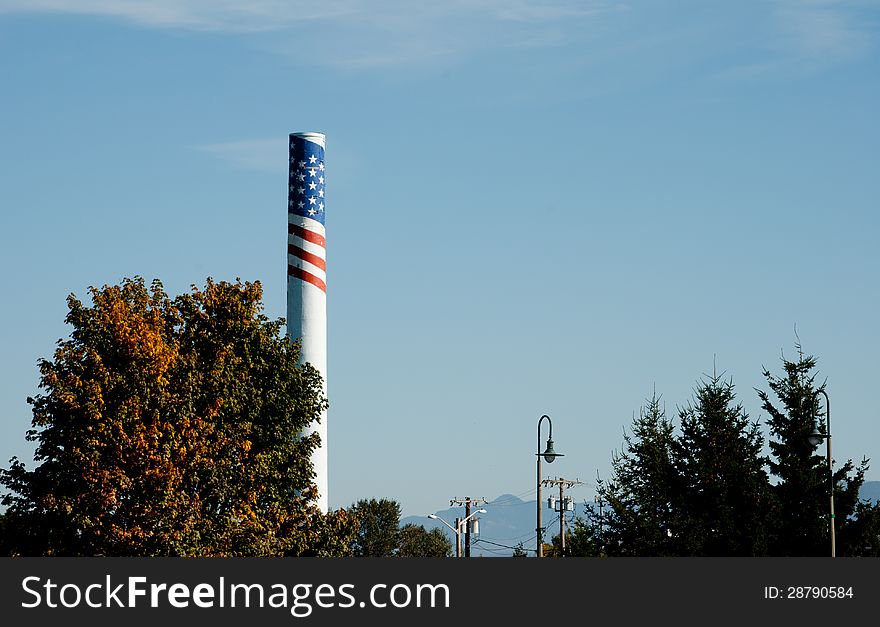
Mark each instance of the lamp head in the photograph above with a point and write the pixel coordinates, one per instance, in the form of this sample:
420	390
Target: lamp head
816	437
549	454
481	511
433	516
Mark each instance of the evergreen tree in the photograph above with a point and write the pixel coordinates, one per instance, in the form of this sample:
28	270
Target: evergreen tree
725	489
801	492
641	494
582	540
860	536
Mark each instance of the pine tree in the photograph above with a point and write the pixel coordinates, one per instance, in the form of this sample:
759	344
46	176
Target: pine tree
801	490
641	494
584	539
725	489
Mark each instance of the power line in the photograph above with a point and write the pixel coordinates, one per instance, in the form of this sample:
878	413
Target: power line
565	504
510	502
504	546
468	523
514	538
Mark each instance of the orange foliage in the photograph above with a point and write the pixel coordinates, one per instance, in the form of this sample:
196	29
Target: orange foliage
166	428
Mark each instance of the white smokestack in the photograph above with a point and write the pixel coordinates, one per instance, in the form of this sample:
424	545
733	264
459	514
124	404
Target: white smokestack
307	275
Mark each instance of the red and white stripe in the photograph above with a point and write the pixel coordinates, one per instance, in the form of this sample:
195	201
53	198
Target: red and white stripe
307	251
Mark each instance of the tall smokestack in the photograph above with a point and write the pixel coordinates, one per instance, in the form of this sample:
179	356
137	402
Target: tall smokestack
306	274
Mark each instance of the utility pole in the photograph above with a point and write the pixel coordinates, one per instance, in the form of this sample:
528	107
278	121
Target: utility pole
565	504
467	502
600	499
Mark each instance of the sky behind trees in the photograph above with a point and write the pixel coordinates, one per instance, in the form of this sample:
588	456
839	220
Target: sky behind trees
531	207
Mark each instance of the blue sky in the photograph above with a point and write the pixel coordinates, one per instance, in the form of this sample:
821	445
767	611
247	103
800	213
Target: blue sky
532	207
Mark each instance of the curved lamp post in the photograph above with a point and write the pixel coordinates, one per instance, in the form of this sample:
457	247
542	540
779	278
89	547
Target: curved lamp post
549	455
816	438
459	523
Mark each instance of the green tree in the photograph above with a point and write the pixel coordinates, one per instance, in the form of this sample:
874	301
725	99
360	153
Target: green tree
582	539
416	541
378	527
642	494
165	427
860	535
802	487
5	547
725	501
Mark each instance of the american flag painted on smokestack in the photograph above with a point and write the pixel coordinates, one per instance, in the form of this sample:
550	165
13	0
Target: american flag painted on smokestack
307	274
306	248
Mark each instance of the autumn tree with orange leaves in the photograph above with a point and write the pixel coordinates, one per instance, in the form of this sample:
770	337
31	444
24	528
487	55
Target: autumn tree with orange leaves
165	427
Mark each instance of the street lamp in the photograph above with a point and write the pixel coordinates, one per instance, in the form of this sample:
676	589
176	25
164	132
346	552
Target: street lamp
816	438
459	524
549	455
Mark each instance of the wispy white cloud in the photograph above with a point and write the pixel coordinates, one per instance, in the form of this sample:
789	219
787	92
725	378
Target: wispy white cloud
353	34
782	36
213	15
795	38
265	15
823	31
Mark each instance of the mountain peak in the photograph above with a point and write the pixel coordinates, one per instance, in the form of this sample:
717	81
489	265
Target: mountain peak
506	499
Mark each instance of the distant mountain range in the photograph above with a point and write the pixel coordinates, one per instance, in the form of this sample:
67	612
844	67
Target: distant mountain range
870	491
510	522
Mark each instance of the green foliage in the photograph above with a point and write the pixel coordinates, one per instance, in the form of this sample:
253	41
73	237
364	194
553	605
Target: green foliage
416	541
643	491
725	499
379	534
706	490
378	527
701	492
165	427
5	548
860	535
802	491
582	539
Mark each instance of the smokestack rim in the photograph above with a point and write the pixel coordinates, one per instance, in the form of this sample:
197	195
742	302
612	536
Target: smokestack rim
312	136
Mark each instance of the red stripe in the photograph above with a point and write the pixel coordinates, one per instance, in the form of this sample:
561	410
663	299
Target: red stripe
307	256
309	236
308	277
